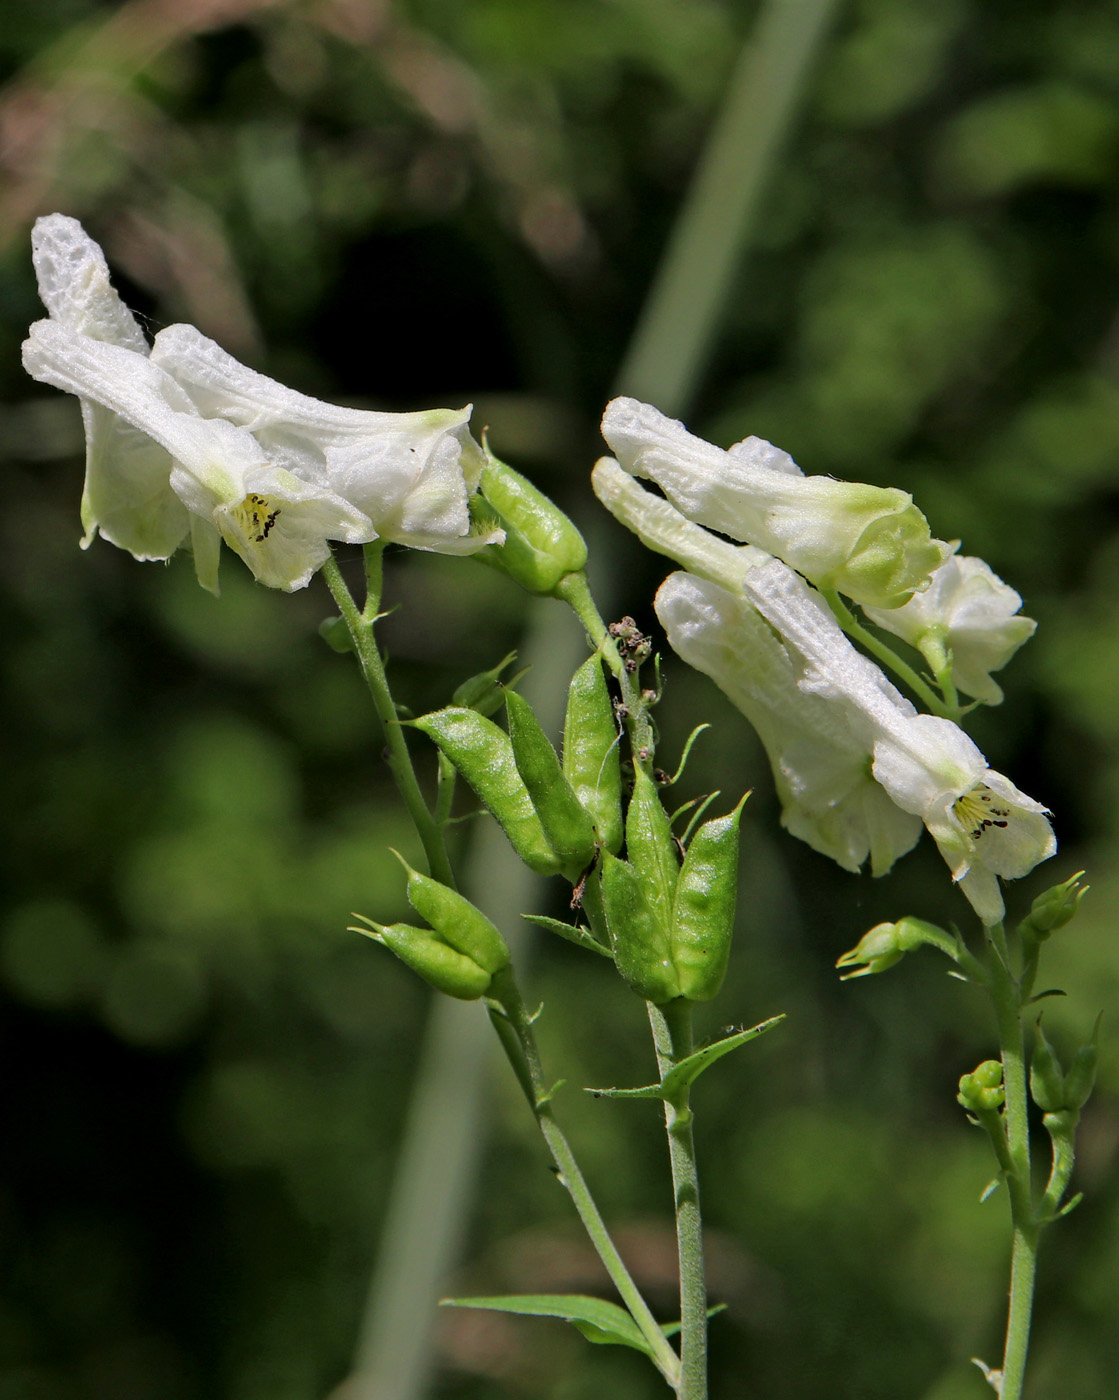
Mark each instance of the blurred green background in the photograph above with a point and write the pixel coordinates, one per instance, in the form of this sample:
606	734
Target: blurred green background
202	1076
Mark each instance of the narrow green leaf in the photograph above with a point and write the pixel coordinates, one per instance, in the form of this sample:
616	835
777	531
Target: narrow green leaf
599	1321
683	1075
579	936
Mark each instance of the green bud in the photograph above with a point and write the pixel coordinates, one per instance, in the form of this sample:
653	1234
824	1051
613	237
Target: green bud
591	762
1053	909
484	692
893	555
567	827
443	967
541	544
457	922
887	944
1047	1080
638	936
483	754
982	1090
704	907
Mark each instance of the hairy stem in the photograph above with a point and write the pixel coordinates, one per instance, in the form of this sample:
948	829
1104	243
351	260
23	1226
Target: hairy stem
515	1026
360	624
1006	993
673	1041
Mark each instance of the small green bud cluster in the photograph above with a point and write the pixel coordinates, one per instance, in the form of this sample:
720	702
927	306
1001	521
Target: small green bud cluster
541	544
462	950
556	813
1053	909
887	944
982	1090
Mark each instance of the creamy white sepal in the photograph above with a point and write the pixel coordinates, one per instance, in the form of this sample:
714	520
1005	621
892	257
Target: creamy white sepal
278	524
821	766
661	527
968	613
411	473
983	825
869	542
127	496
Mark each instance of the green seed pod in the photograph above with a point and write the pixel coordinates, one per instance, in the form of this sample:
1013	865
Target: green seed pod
591	762
704	907
639	938
447	970
1081	1077
484	692
650	846
541	544
457	922
483	755
567	827
1047	1080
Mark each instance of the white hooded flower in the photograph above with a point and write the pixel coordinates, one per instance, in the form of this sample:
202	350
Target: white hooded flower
273	472
869	542
968	615
412	474
983	825
821	769
230	488
821	764
127	495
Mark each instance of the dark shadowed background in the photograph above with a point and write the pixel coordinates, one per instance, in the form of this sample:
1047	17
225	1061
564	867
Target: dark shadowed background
202	1075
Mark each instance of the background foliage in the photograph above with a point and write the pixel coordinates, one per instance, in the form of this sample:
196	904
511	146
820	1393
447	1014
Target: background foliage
430	202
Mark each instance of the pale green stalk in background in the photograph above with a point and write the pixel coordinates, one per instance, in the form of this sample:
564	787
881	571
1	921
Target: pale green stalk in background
433	1184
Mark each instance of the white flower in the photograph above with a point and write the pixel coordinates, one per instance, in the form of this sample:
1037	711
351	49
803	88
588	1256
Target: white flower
983	825
127	495
968	616
821	766
660	526
869	542
184	439
412	474
278	524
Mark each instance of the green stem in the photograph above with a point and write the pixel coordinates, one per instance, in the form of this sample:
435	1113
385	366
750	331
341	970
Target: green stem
888	657
1007	997
514	1024
673	1041
360	624
575	590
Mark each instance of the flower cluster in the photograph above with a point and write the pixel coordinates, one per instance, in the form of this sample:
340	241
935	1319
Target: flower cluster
858	769
183	443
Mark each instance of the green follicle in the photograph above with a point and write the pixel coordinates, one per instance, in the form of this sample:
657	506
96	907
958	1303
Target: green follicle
977	811
255	517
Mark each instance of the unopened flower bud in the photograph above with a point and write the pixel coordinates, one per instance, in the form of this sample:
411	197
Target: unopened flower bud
541	544
982	1090
887	944
1053	909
